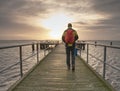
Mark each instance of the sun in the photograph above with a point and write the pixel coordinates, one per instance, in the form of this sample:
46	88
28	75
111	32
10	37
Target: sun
56	24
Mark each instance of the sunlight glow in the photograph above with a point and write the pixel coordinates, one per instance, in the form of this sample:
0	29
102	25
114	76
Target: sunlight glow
56	24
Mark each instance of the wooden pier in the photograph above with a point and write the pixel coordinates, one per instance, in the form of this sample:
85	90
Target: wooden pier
51	74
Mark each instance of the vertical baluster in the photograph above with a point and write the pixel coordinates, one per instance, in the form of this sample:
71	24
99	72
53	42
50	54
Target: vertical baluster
33	48
104	63
37	52
21	68
87	53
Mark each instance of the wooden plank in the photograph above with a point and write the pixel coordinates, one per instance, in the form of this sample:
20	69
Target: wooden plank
52	75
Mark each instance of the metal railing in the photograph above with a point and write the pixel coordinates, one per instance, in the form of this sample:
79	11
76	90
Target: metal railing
104	61
20	47
21	56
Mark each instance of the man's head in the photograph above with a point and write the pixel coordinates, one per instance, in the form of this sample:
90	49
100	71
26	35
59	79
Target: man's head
69	25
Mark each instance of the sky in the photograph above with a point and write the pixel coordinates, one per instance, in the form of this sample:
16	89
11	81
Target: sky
47	19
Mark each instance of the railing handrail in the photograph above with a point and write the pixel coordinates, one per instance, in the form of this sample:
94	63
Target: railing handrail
4	69
20	53
106	63
35	52
13	46
103	45
104	55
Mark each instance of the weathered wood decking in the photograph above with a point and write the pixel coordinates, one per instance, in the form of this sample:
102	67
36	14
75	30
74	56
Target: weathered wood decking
52	75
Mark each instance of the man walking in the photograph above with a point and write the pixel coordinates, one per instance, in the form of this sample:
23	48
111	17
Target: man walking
69	37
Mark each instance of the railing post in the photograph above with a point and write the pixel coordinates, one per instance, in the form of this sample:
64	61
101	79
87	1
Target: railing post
39	46
80	52
44	52
104	63
87	52
21	69
33	49
37	52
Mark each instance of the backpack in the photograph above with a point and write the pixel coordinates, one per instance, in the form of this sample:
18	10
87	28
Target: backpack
69	36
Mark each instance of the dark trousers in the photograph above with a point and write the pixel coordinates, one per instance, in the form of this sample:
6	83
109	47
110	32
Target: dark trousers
70	57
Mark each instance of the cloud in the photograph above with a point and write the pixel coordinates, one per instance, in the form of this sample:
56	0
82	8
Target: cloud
107	6
109	25
20	16
13	11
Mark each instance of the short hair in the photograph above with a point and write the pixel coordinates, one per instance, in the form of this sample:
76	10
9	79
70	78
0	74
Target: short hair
69	25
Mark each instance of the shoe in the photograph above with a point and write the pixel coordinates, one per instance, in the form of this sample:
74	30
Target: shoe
73	68
68	67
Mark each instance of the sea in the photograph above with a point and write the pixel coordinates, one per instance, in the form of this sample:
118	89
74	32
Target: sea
10	61
10	67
